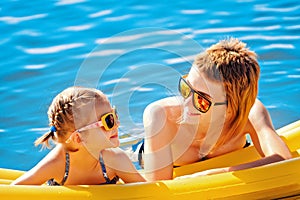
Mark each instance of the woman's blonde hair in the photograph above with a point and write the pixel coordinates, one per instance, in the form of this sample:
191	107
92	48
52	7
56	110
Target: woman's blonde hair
231	63
61	112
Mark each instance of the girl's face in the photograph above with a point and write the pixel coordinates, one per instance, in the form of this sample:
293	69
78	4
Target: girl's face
110	123
213	90
101	127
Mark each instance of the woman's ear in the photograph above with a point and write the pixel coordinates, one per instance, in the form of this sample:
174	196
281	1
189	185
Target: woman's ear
228	114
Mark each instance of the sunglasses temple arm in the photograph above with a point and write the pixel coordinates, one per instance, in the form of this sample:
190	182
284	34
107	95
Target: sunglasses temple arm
91	126
221	103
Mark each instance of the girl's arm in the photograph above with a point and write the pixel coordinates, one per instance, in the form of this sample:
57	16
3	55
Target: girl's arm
124	167
46	169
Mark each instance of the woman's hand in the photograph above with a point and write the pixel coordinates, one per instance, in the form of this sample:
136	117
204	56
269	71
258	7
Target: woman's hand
203	173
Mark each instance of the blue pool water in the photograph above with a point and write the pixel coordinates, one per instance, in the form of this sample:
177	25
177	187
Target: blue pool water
134	51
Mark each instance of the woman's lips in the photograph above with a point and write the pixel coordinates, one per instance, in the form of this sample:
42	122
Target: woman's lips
193	114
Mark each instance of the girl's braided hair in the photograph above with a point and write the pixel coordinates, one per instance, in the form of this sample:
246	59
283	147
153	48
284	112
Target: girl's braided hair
61	112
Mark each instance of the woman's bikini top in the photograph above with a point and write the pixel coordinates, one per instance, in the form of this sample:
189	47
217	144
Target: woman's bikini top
67	167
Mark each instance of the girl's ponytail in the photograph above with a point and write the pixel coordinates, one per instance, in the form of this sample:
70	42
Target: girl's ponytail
44	139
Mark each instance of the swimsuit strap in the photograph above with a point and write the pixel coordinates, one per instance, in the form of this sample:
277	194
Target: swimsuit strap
141	154
67	168
248	143
103	169
52	182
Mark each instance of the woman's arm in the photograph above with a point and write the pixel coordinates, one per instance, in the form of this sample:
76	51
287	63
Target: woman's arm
158	160
265	139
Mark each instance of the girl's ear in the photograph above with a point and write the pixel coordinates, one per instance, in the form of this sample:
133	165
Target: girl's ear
74	137
77	138
69	139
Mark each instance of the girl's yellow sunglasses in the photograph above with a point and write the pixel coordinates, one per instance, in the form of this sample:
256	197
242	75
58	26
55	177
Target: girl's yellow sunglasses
109	121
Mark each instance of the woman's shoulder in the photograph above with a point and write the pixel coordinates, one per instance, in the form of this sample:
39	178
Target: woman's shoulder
167	102
113	152
167	107
115	156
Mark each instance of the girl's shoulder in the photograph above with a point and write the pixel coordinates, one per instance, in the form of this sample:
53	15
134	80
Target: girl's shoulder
56	154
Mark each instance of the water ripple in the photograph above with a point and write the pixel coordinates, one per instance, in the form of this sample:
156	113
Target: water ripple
120	39
192	12
270	37
236	29
279	46
100	13
119	18
133	37
109	52
16	20
114	81
296	76
162	44
293	27
44	44
263	19
28	32
263	7
222	13
68	2
293	18
35	66
180	60
78	28
141	89
52	49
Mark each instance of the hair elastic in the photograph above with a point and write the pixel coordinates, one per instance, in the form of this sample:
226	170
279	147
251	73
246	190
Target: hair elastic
52	129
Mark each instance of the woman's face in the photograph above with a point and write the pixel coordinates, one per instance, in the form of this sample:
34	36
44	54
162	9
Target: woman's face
199	82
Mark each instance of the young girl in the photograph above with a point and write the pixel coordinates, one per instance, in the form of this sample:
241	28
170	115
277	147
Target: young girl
84	127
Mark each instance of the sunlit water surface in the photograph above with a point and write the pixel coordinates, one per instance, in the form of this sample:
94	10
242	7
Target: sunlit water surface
134	52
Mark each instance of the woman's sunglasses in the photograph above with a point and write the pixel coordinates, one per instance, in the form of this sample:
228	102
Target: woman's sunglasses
201	101
109	121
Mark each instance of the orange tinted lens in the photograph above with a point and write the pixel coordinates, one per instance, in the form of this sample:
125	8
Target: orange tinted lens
201	103
184	88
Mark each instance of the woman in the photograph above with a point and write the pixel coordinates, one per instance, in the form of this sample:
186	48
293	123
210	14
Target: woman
219	108
84	127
